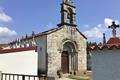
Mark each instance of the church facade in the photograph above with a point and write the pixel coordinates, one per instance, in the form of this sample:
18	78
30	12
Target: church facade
62	48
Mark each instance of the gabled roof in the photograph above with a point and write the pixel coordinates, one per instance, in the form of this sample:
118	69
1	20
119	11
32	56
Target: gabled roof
48	32
81	33
53	30
43	33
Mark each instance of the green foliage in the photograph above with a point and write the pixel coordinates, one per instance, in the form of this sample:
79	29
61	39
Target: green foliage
91	43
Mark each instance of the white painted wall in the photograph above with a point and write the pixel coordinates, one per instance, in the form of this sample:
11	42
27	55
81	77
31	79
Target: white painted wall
106	64
41	43
42	51
25	62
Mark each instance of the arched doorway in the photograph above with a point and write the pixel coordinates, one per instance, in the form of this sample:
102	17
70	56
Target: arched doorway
69	60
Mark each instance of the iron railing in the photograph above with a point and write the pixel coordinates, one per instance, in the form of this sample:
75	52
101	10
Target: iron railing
8	76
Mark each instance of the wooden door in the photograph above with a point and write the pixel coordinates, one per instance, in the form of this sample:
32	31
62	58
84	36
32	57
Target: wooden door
65	62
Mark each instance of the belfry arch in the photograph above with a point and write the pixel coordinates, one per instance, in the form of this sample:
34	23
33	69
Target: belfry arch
70	15
69	58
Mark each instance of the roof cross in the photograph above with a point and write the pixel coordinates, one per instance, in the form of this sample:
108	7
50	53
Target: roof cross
66	0
113	27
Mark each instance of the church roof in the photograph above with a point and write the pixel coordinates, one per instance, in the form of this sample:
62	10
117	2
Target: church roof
48	32
39	34
43	33
81	33
113	42
53	30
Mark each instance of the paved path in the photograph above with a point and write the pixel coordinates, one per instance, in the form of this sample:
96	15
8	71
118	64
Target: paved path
65	79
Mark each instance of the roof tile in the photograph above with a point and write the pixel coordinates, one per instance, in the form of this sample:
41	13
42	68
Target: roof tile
111	43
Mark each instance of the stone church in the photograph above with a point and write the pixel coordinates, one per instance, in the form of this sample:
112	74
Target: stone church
62	48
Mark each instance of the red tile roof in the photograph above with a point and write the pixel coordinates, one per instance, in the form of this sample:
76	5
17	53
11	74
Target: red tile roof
111	43
114	41
103	47
17	50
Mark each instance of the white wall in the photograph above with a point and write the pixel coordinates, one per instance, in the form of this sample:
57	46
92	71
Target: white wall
24	62
41	43
42	51
106	64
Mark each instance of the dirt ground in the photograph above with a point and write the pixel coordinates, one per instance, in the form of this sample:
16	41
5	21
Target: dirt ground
65	79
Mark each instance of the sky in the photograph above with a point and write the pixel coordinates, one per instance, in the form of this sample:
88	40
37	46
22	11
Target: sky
21	17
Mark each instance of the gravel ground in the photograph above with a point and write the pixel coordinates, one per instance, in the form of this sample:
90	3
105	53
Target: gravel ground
65	79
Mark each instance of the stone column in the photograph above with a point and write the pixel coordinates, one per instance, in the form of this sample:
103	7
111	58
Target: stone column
71	63
76	61
70	68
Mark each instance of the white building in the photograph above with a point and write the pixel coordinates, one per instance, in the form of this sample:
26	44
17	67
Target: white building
19	61
62	48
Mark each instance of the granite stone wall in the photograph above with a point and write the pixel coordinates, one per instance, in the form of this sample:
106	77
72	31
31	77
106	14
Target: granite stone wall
55	43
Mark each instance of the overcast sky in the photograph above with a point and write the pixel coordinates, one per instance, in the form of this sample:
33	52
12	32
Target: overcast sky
21	17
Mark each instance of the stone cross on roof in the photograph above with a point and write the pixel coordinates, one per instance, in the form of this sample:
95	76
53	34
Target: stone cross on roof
66	0
113	27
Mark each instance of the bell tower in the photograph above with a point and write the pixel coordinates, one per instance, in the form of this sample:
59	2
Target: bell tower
68	13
